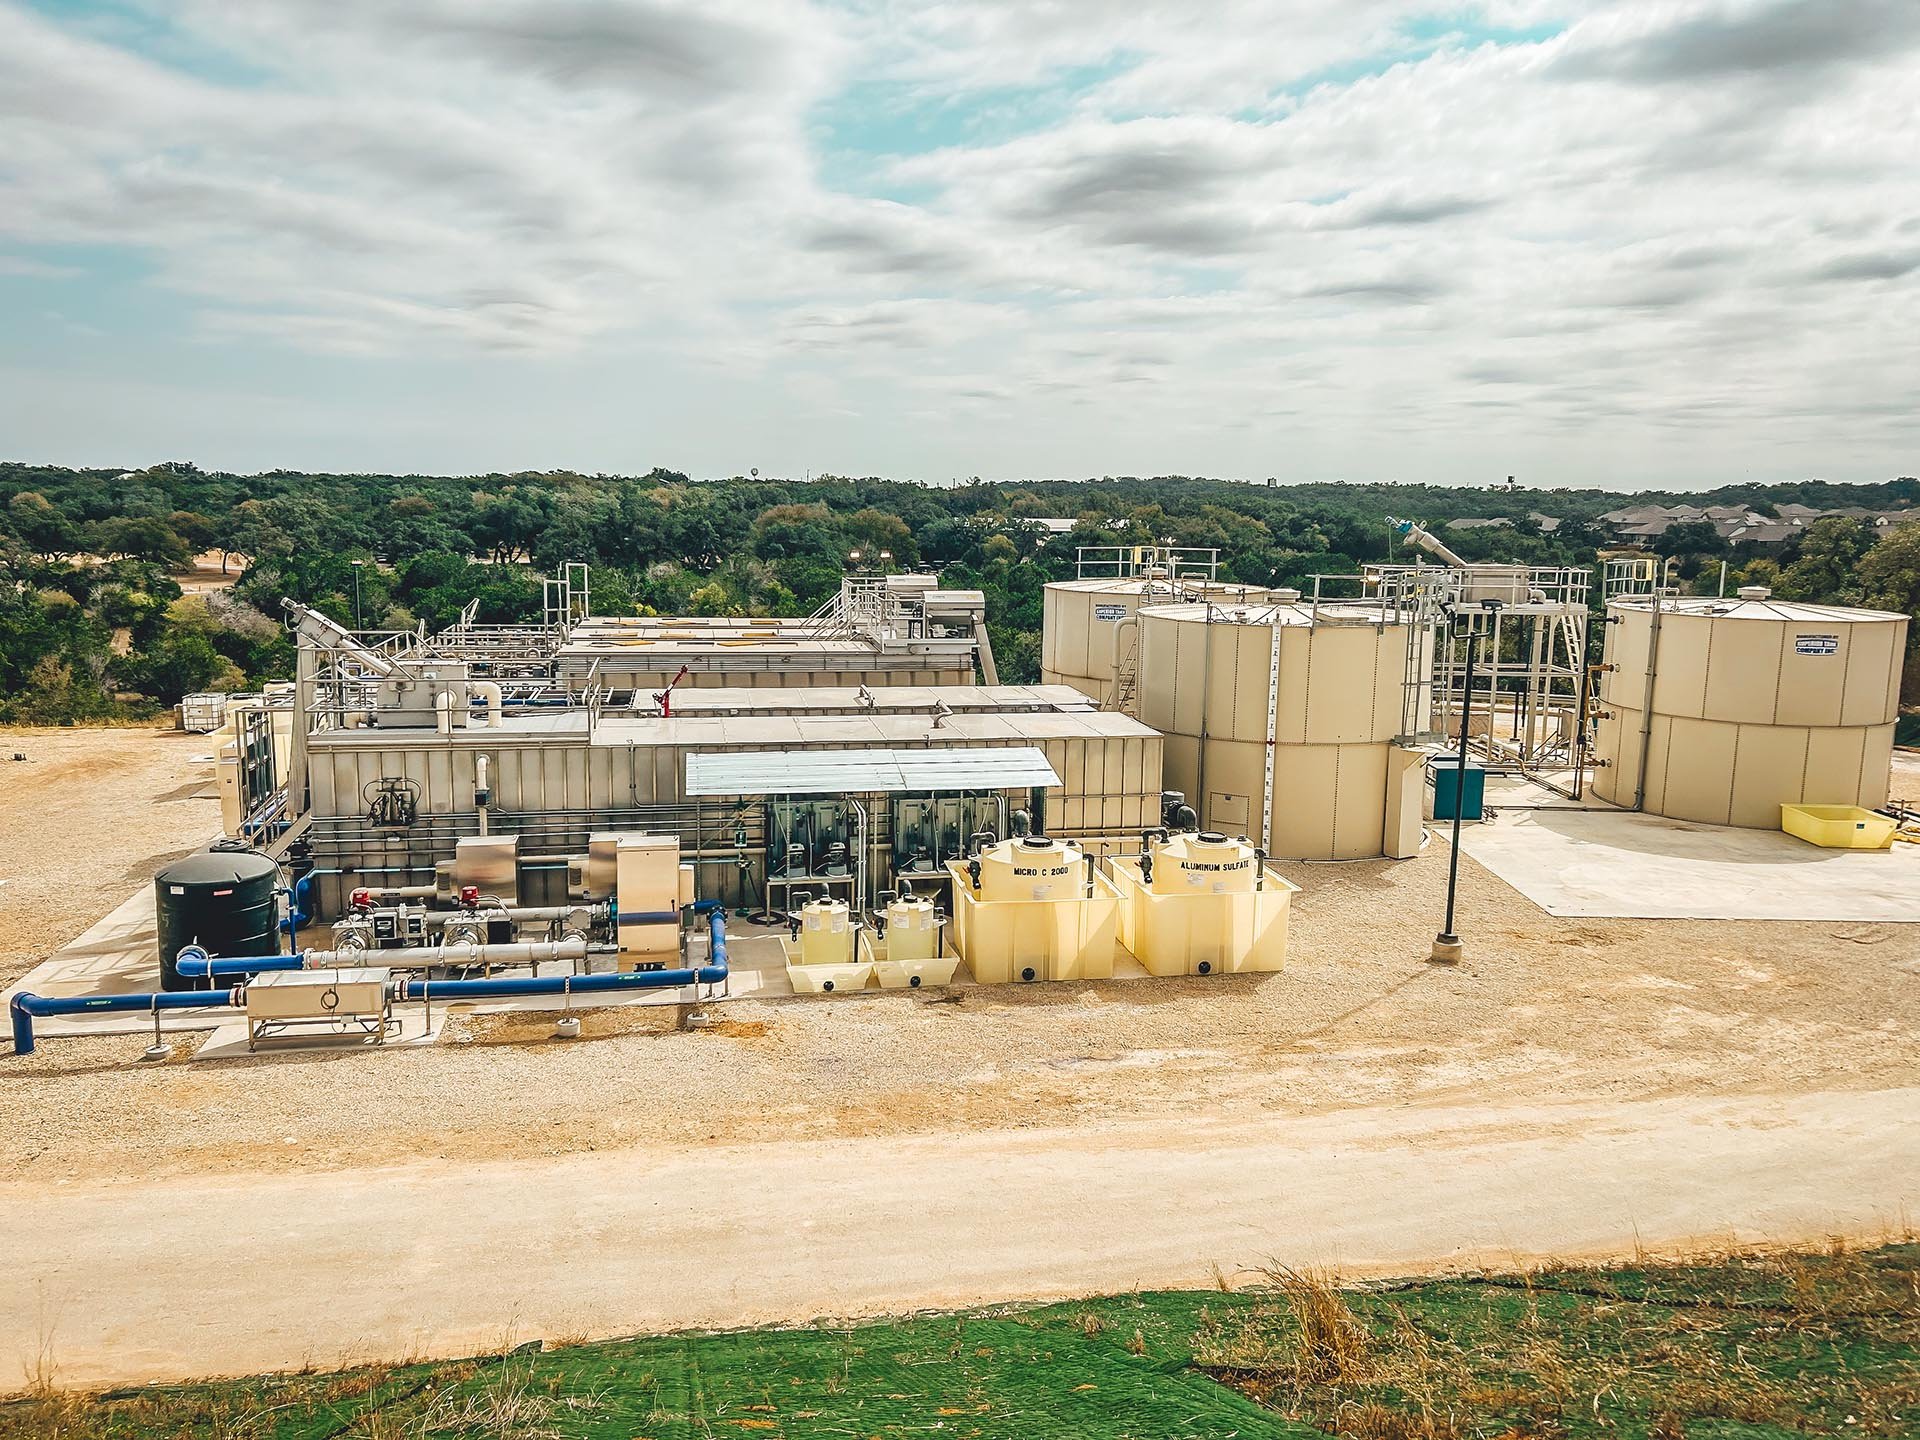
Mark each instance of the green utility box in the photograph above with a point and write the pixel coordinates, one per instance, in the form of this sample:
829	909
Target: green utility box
1452	787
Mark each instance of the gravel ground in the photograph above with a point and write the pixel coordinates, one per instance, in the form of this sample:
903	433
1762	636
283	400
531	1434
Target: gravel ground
87	817
1543	1009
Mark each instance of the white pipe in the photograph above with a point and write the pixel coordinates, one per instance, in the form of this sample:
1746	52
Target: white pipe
489	691
459	952
443	711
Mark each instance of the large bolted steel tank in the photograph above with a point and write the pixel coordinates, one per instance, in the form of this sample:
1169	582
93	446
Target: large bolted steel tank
224	900
1723	710
1279	718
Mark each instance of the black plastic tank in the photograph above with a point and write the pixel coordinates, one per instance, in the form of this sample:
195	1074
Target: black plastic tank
224	900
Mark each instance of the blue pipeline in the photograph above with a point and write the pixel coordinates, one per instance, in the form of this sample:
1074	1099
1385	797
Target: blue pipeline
24	1007
193	963
711	973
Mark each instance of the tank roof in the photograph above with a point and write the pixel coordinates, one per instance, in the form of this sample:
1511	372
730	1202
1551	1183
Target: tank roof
1327	612
1730	608
217	867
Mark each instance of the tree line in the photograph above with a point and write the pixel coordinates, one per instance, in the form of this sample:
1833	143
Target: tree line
94	623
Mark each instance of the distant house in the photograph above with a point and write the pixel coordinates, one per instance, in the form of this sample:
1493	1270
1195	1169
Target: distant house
1760	534
1547	523
1497	522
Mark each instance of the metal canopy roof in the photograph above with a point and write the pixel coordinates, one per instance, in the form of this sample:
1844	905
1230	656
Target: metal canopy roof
866	772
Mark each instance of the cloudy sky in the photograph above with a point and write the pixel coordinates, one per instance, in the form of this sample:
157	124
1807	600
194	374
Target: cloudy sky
1585	241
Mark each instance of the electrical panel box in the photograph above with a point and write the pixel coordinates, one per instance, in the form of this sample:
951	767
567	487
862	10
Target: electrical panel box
488	863
410	699
651	886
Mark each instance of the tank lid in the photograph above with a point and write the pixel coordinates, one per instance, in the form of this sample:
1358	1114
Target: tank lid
216	867
1754	592
1211	837
1034	842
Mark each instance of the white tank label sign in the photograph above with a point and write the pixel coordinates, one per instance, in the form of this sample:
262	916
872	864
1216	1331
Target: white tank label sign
1109	612
1816	644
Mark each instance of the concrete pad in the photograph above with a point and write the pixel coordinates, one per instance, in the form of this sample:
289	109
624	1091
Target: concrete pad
1616	864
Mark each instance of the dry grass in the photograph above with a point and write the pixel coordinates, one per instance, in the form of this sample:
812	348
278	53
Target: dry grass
1774	1339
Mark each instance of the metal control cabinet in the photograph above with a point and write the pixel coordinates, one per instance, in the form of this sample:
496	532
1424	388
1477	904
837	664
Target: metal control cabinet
345	999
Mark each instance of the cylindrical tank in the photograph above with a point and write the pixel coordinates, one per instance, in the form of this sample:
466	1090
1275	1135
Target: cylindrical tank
912	930
225	900
1321	686
1757	703
1208	863
1031	867
826	933
1087	626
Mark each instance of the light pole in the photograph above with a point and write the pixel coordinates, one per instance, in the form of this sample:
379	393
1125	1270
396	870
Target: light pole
357	564
1446	945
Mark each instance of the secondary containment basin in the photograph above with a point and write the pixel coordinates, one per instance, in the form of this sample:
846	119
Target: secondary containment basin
1038	912
1755	703
1278	718
824	960
1089	630
225	900
1839	827
908	956
1203	904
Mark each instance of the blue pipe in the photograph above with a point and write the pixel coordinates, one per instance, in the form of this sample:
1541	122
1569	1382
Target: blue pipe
24	1007
193	963
711	973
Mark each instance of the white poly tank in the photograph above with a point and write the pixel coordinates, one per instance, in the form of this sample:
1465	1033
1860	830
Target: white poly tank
1208	863
1757	703
826	933
1031	867
912	930
1323	687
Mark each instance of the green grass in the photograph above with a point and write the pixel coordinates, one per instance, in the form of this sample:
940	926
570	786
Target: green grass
1740	1348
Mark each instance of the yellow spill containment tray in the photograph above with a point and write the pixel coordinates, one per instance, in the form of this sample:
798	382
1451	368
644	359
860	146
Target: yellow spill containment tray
1838	827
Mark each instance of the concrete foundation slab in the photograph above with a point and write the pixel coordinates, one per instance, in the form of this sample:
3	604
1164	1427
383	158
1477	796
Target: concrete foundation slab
1613	863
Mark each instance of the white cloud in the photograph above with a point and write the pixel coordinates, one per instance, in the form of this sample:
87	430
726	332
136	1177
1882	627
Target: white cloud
1367	236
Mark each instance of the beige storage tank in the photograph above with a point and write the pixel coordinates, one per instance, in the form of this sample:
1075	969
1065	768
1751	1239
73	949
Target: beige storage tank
1203	904
1037	912
824	961
1756	703
1089	631
1279	717
909	955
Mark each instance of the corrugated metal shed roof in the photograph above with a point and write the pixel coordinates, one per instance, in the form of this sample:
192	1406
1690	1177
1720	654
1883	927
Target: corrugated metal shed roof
865	772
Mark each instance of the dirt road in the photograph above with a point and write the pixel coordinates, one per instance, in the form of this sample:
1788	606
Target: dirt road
126	1282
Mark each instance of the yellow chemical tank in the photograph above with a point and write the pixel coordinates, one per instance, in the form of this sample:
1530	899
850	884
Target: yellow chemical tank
909	955
823	961
1033	910
1203	904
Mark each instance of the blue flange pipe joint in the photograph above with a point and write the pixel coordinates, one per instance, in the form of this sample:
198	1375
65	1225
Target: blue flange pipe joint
24	1007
